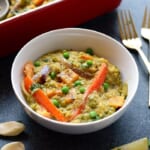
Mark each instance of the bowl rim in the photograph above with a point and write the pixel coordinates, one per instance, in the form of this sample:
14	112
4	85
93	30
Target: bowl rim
26	106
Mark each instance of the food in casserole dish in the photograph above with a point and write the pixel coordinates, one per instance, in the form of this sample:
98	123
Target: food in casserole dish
20	6
73	86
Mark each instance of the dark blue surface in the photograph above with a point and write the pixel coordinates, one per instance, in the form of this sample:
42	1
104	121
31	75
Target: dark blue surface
134	124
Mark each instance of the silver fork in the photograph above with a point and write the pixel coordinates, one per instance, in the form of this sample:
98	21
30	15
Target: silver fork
129	35
145	32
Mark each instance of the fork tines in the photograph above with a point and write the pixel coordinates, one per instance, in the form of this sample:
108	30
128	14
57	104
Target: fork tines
126	25
146	19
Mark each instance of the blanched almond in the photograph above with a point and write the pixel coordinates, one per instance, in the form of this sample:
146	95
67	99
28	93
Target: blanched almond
13	146
11	128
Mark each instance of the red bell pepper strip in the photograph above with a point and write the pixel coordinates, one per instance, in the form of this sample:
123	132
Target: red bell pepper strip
97	82
43	100
27	83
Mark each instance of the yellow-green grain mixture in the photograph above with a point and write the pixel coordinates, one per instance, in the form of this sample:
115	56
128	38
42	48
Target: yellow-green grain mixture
80	85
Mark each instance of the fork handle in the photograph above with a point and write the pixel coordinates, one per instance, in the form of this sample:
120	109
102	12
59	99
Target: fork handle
145	60
149	77
149	90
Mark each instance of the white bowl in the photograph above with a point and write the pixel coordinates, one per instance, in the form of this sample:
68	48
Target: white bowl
76	38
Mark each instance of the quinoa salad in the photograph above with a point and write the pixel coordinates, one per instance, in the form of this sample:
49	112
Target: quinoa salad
73	86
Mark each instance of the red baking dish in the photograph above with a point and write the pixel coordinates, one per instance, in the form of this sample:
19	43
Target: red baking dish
16	31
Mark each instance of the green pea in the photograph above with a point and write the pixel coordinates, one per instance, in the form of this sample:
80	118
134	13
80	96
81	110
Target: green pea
89	51
53	75
82	90
65	89
93	115
37	64
89	63
106	86
66	55
77	83
55	102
